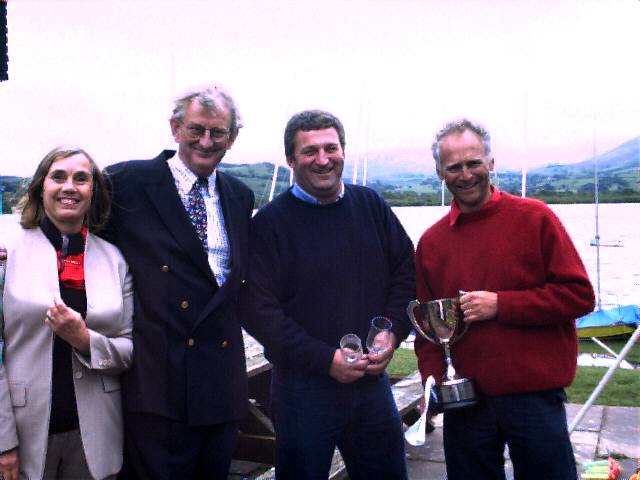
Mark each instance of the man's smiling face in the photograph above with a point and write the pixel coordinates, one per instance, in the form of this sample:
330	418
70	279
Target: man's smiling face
465	169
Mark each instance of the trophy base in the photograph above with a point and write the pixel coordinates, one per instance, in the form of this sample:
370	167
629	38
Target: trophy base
458	393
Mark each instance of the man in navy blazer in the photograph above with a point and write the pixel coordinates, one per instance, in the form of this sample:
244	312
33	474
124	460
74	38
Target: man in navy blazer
188	386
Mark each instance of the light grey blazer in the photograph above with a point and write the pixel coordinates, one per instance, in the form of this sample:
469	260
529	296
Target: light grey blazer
25	377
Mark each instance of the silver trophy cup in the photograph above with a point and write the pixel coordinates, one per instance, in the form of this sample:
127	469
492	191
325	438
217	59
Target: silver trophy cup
440	322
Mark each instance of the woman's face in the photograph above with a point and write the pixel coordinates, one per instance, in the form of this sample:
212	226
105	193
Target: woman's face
66	193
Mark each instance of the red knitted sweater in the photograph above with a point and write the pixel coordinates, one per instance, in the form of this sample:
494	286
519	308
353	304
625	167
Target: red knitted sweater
519	249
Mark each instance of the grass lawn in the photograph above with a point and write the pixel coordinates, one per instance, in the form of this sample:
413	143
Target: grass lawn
624	387
622	390
403	363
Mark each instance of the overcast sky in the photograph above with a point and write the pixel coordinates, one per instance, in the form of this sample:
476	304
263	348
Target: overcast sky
546	77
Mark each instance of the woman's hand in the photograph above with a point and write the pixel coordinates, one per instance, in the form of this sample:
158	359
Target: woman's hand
68	325
9	465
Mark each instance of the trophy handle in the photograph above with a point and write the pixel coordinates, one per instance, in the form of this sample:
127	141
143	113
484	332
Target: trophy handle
412	317
465	325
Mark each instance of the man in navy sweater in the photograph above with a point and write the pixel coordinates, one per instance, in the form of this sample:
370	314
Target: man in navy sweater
326	258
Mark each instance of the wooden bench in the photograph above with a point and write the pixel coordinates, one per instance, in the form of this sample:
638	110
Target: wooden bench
256	442
407	393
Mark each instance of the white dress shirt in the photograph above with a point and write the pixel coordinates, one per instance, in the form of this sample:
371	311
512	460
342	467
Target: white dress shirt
219	250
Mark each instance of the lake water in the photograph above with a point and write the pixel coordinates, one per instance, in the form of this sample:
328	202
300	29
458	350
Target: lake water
619	266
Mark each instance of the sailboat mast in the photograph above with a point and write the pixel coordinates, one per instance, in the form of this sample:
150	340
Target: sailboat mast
273	181
365	164
354	177
595	168
523	191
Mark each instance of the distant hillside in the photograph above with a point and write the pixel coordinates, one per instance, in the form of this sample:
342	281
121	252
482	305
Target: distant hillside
402	163
12	189
258	177
622	158
398	181
618	176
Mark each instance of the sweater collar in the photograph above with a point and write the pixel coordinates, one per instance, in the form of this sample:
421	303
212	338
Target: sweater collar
455	212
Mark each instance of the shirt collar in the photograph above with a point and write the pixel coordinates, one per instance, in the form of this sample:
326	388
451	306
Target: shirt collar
185	178
299	193
455	211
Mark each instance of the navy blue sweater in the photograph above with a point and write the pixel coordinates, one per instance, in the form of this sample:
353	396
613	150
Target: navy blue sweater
318	272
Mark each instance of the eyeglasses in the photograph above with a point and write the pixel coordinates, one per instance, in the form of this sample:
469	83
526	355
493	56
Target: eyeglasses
196	132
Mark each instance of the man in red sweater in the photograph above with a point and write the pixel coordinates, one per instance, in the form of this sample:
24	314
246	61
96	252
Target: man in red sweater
526	286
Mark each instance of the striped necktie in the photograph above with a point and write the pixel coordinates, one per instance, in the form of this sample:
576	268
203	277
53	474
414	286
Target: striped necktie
197	210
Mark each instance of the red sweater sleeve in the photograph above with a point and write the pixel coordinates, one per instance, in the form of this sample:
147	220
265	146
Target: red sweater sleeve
566	292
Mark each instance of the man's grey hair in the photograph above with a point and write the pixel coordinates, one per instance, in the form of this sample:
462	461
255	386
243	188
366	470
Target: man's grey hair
212	99
460	126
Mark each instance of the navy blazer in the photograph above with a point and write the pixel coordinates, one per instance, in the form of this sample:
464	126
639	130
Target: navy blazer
188	355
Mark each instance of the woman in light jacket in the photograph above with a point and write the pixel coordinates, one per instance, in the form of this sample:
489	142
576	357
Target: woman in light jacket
67	329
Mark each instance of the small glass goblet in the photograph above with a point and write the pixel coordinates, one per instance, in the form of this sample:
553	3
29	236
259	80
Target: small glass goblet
351	347
379	337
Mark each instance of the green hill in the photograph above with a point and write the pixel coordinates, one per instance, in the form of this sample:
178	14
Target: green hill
11	189
618	180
